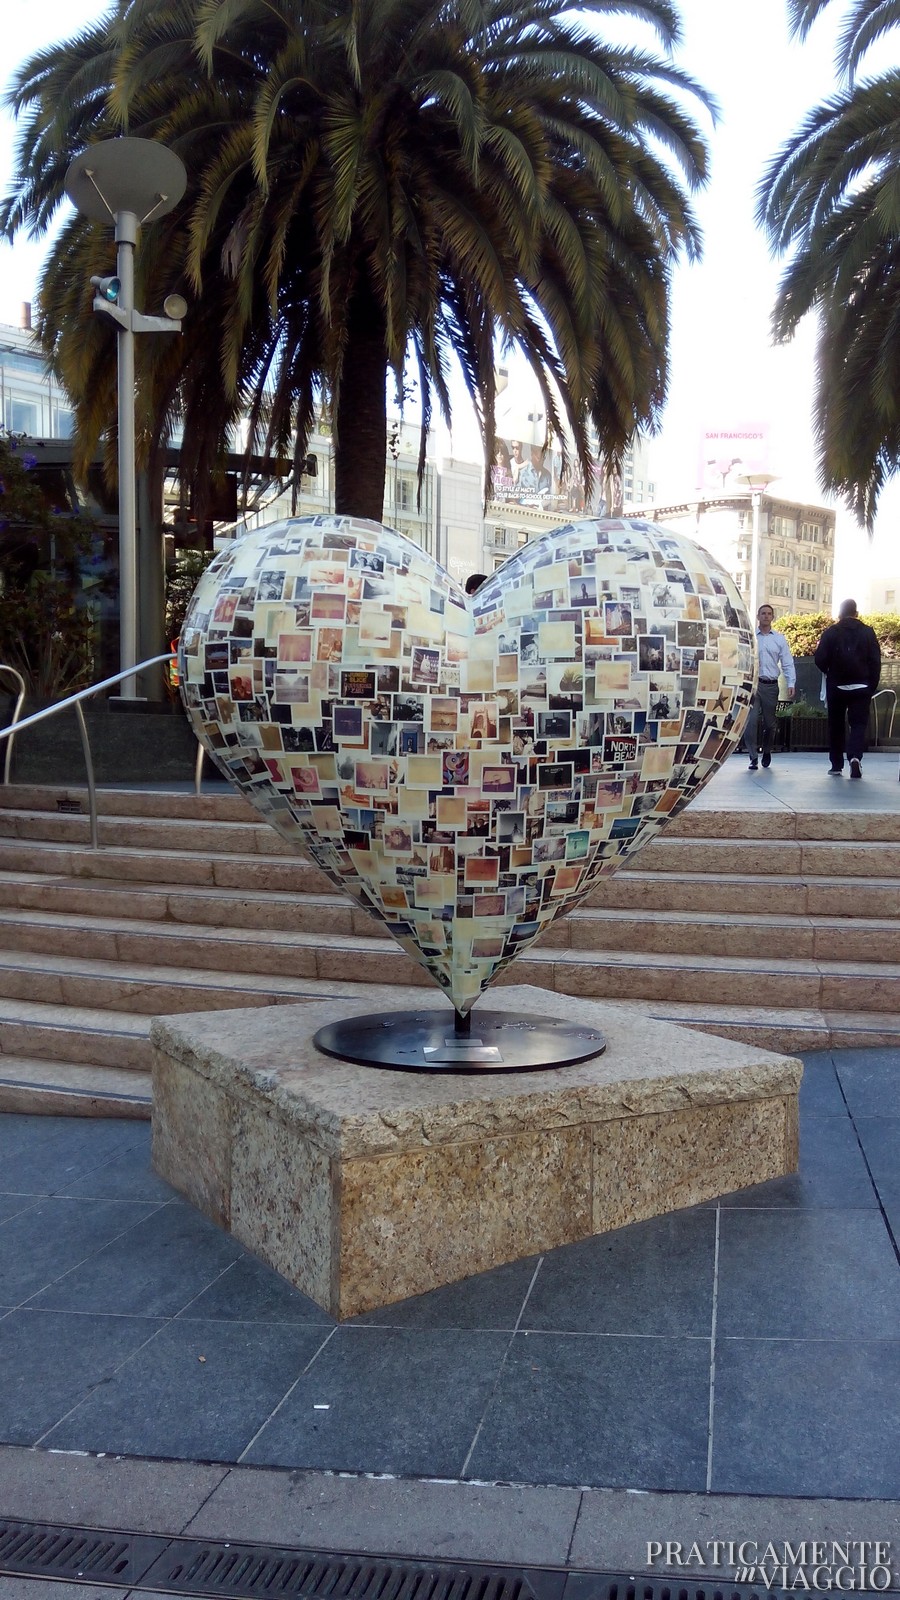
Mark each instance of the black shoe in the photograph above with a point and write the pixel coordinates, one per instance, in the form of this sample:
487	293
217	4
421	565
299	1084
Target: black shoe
835	772
767	758
753	766
855	768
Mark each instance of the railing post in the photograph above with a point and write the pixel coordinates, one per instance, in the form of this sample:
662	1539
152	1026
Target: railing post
89	764
20	701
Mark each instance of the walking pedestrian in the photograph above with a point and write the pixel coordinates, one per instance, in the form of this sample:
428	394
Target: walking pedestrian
774	653
850	656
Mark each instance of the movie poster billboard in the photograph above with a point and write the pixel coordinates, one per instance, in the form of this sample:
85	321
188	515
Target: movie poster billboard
531	475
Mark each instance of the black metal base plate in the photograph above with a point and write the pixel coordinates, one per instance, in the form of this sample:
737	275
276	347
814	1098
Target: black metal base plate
425	1041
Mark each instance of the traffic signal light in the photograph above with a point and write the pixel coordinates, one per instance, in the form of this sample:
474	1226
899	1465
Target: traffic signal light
107	289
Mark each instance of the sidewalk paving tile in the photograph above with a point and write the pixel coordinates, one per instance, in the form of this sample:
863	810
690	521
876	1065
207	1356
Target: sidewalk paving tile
153	1270
405	1401
249	1291
806	1273
870	1080
880	1139
575	1409
39	1245
50	1362
196	1391
654	1277
11	1204
807	1417
40	1154
820	1089
103	1491
461	1521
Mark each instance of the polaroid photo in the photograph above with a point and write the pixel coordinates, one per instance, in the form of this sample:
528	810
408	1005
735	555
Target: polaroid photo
499	779
371	776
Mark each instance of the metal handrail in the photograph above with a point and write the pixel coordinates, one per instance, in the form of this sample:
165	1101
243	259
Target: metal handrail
20	701
877	696
75	700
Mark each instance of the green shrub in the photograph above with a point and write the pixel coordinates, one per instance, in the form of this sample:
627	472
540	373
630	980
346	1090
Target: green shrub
44	634
803	632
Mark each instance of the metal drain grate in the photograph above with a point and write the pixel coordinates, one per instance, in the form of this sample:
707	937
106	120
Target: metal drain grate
206	1568
30	1549
243	1572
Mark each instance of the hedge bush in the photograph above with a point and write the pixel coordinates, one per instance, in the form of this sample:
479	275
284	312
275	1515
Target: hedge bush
803	632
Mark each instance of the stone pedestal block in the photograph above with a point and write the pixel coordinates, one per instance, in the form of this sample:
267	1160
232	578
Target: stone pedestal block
364	1186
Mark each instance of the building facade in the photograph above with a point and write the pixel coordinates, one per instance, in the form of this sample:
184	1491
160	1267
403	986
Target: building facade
779	552
31	400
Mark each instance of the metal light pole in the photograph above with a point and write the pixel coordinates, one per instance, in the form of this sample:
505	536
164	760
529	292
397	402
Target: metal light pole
757	483
127	182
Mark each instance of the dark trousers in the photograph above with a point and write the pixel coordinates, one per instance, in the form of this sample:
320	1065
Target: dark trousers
848	719
760	732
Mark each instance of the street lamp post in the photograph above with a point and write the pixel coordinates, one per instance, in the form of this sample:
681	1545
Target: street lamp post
127	182
757	483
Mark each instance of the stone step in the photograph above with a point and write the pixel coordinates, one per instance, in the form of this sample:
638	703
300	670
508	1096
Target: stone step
113	925
702	819
788	842
786	857
711	933
57	1088
71	880
160	990
633	889
145	833
236	951
733	980
160	903
780	1028
217	805
836	888
291	874
78	1034
129	985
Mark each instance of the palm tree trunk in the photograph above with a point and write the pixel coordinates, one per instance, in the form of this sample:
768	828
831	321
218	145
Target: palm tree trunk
360	419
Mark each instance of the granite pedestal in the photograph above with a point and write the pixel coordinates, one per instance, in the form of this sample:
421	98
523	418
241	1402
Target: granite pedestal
364	1186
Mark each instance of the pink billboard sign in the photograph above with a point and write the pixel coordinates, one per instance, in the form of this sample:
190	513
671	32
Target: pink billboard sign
728	452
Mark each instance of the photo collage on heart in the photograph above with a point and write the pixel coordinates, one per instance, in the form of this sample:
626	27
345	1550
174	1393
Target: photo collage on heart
466	768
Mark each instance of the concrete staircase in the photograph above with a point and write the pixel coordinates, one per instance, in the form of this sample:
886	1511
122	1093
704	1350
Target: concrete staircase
781	928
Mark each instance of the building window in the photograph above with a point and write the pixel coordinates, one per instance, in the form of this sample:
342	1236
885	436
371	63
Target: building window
807	591
21	417
784	527
890	596
404	495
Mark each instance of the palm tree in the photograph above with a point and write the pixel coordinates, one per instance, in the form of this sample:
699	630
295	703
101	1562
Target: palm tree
831	198
374	189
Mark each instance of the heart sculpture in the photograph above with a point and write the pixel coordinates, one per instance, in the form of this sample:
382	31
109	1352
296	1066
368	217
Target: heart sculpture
466	768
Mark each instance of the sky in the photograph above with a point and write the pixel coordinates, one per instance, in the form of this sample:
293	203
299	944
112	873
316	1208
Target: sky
724	370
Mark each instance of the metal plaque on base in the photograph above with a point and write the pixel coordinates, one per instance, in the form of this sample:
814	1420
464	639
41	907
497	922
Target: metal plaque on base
428	1041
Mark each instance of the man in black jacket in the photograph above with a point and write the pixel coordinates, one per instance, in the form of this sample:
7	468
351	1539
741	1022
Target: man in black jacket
850	656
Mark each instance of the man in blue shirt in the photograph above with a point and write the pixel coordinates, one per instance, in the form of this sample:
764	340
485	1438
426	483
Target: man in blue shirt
774	653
